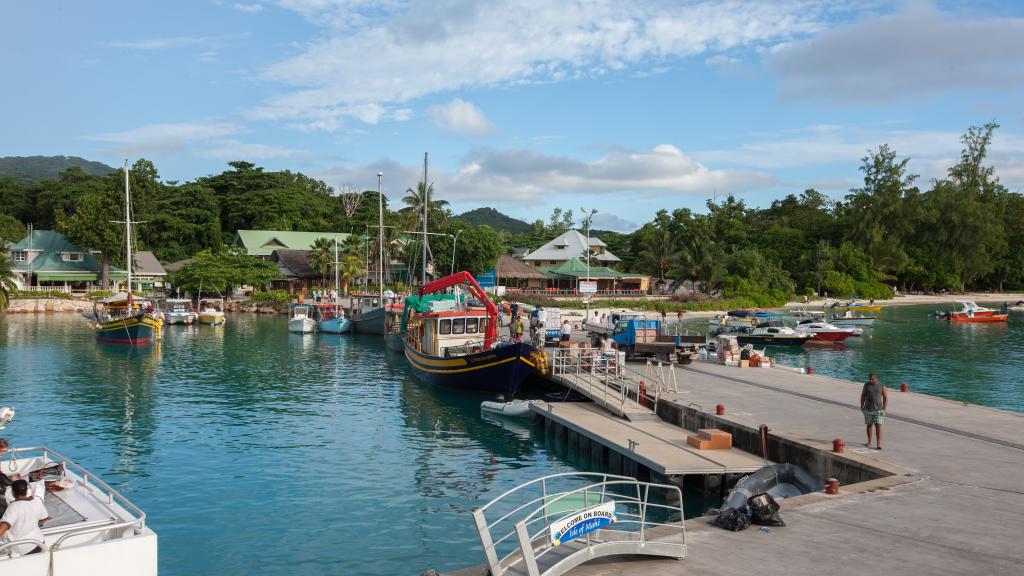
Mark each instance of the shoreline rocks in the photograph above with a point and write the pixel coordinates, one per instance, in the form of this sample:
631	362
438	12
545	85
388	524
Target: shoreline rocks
46	306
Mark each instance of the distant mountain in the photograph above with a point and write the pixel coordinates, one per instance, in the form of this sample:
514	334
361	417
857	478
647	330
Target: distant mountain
495	220
29	168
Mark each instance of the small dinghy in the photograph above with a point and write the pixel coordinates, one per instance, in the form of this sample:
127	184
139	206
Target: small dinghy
777	481
502	408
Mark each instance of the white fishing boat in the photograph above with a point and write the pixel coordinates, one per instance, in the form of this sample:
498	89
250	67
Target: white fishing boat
300	319
92	529
179	311
825	332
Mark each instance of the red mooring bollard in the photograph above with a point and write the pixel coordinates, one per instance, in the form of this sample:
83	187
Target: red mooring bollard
904	387
838	446
832	486
720	410
642	396
809	370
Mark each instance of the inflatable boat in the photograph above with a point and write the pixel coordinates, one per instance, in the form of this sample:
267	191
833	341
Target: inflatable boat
513	408
778	480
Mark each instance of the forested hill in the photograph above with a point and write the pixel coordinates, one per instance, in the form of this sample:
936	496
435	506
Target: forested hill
496	220
32	168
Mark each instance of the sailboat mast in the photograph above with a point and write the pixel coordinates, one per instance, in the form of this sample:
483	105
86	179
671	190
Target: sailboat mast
426	204
380	238
128	232
336	284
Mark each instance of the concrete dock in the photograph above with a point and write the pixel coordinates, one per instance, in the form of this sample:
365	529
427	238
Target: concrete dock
944	496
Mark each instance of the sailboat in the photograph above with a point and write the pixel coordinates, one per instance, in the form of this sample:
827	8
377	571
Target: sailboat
331	314
125	319
370	315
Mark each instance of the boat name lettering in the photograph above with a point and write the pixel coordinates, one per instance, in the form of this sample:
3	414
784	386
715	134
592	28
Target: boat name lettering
484	358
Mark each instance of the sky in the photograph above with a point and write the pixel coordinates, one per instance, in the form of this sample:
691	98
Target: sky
627	107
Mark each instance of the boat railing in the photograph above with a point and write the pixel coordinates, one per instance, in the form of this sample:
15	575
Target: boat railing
519	529
111	497
605	379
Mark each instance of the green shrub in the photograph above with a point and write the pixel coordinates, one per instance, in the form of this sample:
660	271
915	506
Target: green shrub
99	294
28	294
276	298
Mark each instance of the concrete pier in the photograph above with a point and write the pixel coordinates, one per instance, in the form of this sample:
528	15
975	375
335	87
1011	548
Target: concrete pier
944	496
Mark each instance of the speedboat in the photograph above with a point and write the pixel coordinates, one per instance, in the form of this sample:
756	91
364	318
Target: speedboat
971	312
773	336
92	528
211	311
825	332
179	311
850	320
1017	306
300	319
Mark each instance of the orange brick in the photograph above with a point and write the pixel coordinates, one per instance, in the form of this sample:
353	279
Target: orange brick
716	439
698	443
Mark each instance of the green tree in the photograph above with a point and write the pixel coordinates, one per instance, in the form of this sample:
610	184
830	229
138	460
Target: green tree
11	229
217	271
7	278
349	268
321	257
437	210
90	226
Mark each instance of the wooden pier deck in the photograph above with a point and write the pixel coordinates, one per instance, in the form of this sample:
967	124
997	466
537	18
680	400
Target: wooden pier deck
658	445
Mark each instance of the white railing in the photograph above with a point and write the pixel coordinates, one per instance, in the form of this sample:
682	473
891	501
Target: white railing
106	497
606	380
515	528
62	289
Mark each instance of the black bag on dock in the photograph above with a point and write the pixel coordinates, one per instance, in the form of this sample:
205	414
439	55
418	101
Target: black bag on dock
764	510
732	519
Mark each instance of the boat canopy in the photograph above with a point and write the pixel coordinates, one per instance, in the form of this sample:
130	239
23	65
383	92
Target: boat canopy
422	304
739	313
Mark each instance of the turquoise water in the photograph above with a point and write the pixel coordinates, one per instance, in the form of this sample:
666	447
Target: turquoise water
258	452
976	363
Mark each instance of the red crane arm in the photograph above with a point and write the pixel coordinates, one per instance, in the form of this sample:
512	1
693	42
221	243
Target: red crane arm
464	277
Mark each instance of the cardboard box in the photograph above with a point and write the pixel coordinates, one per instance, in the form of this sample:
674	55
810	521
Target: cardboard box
744	363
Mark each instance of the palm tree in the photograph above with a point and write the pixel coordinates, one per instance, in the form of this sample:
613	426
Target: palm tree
321	257
7	277
660	252
349	268
437	210
352	245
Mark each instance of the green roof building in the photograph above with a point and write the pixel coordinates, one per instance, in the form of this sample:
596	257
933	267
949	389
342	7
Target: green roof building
567	276
263	242
48	259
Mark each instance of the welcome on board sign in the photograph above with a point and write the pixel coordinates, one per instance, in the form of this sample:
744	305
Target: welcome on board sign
582	523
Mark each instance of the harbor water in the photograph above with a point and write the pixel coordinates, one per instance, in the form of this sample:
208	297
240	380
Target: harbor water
255	451
975	363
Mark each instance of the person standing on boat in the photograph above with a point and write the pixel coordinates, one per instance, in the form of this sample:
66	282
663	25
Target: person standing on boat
874	400
566	331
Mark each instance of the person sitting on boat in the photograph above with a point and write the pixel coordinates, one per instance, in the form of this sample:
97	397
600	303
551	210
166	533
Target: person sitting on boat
518	327
23	519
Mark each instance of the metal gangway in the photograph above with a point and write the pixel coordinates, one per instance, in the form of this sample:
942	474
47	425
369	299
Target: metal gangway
605	379
550	525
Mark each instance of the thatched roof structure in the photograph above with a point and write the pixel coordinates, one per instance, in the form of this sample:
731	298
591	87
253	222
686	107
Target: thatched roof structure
294	263
511	267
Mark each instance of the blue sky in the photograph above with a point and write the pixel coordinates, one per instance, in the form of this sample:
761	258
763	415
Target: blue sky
625	106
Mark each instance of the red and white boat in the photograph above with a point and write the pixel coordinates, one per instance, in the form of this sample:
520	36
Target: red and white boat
825	332
971	312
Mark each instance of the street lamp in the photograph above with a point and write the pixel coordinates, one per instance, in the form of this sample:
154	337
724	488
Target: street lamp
587	217
454	242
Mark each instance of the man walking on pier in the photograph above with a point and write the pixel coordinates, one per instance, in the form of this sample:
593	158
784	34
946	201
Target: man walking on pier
874	400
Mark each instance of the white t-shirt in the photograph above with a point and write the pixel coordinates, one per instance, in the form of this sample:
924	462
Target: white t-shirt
23	517
566	329
542	316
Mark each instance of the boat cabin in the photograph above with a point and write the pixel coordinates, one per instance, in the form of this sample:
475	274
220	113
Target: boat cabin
448	333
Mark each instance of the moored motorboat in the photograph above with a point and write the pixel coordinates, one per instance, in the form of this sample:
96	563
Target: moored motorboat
772	336
300	319
825	332
971	312
211	311
332	318
179	311
856	307
458	346
92	528
850	320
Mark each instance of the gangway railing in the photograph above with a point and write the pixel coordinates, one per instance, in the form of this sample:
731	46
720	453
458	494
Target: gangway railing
552	524
606	380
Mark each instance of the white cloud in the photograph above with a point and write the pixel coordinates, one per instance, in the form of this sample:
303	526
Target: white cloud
158	43
461	117
918	51
171	137
931	152
248	8
513	177
388	53
235	150
606	221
